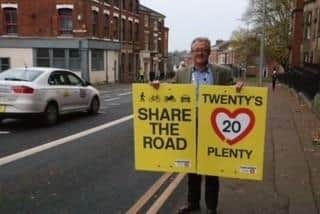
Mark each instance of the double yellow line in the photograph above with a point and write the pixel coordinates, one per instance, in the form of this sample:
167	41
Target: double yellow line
156	206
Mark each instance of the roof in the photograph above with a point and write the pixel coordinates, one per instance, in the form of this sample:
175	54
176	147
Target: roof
45	69
149	10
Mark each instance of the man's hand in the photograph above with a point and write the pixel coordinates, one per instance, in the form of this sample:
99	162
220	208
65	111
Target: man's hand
239	86
155	84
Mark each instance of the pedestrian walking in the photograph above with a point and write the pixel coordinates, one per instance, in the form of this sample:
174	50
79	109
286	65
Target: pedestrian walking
274	78
202	73
141	74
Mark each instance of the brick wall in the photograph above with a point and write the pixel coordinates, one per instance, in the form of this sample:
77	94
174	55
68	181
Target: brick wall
297	33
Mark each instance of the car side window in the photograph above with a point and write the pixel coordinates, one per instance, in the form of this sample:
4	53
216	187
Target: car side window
74	80
52	81
57	78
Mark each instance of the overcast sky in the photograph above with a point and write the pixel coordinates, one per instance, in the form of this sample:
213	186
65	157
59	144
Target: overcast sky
188	19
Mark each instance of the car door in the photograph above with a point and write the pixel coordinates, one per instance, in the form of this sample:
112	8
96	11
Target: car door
58	90
80	92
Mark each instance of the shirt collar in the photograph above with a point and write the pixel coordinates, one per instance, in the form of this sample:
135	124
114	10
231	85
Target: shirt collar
206	69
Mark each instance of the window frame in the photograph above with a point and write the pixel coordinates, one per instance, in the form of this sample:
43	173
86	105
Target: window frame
2	68
107	25
64	18
97	62
11	14
95	23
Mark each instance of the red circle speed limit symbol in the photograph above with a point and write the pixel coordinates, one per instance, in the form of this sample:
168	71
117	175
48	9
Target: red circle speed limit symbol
232	127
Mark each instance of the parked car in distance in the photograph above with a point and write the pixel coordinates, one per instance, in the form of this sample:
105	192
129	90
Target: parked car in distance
46	93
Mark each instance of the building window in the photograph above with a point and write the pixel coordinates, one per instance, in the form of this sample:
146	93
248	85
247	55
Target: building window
123	29
123	62
136	32
11	20
131	5
160	45
160	25
97	62
130	31
116	3
146	41
4	64
155	43
74	59
155	25
106	25
95	23
146	20
59	58
307	25
318	20
306	57
115	28
43	57
124	6
65	21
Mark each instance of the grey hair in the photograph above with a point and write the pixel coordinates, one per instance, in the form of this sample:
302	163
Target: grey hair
201	39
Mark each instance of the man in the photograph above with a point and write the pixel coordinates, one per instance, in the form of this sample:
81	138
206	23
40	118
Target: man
274	78
202	73
141	73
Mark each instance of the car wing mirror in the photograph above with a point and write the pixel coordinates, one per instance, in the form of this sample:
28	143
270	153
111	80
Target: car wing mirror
86	83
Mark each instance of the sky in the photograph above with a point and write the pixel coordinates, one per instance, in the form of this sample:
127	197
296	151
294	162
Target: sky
187	19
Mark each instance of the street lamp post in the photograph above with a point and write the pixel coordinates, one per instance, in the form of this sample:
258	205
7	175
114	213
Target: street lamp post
262	44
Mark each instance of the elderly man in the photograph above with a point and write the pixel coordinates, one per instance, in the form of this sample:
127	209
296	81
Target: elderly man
202	73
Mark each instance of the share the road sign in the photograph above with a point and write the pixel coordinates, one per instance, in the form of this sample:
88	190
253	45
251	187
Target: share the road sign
164	127
231	133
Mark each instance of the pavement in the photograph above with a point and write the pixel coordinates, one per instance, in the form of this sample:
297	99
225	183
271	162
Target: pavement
291	183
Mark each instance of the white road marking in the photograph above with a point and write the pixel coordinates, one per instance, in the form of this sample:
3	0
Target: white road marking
4	132
105	92
112	99
35	150
123	94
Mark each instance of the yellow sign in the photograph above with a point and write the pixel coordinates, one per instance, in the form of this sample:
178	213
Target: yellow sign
164	127
232	131
2	108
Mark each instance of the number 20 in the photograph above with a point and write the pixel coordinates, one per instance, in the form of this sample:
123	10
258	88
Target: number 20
229	126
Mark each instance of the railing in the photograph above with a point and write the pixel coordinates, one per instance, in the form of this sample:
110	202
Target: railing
306	80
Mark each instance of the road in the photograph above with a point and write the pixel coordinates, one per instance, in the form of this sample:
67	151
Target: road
91	173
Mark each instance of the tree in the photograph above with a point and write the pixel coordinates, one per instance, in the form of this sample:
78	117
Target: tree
246	44
277	28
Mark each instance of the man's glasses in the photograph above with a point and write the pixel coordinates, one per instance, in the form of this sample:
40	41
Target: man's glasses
200	51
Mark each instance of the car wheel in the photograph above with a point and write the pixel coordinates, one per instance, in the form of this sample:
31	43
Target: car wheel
51	114
94	106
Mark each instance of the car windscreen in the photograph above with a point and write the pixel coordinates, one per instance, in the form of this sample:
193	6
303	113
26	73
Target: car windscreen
20	75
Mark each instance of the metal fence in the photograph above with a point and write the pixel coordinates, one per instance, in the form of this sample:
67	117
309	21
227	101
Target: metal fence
305	80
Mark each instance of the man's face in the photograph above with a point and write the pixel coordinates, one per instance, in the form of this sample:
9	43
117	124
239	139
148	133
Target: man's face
200	53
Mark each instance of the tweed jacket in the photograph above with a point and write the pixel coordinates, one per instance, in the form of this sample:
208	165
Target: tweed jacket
221	75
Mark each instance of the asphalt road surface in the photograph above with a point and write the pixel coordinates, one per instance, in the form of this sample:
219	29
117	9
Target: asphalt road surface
44	170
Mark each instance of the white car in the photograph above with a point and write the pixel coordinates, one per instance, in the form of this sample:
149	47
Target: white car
45	92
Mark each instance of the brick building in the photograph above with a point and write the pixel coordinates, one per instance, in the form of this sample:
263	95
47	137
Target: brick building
100	39
222	53
297	32
311	32
154	54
